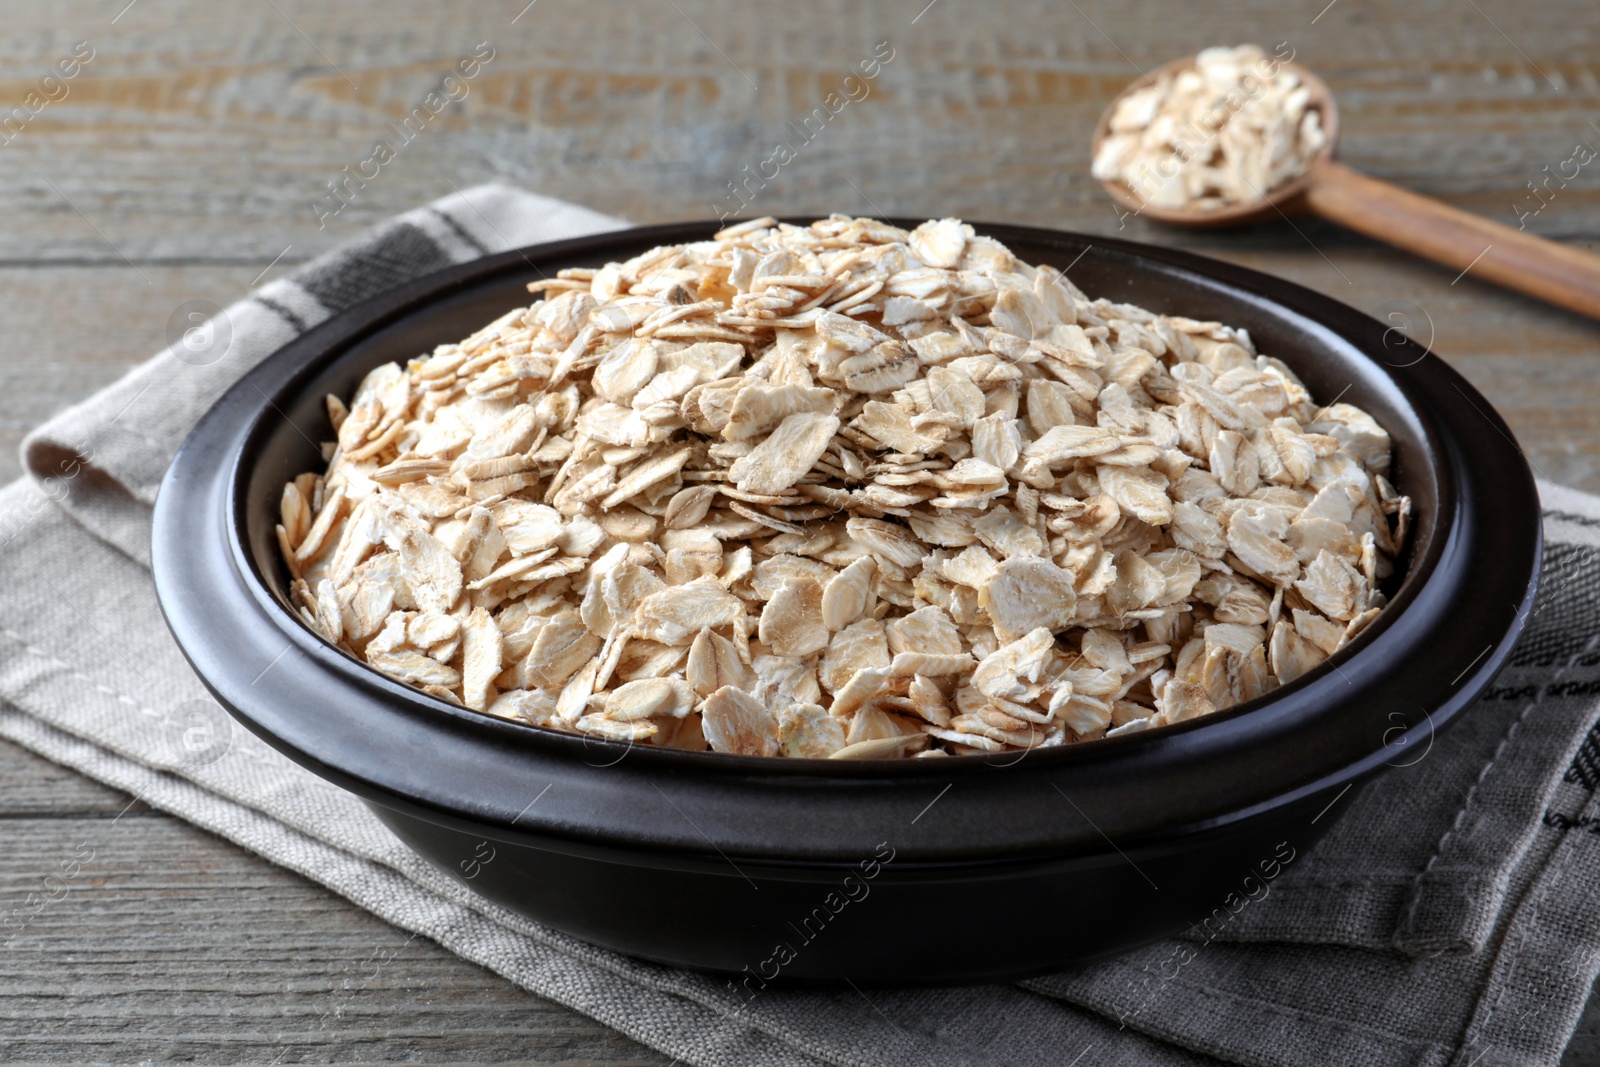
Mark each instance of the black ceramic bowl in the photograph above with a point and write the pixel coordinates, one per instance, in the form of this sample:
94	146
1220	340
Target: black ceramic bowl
961	869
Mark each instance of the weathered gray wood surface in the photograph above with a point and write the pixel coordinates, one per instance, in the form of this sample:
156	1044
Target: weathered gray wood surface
186	156
168	944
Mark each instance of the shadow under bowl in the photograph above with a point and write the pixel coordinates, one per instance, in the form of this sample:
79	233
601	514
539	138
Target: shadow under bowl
875	871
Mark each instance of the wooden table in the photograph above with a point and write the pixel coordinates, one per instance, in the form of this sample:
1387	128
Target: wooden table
183	163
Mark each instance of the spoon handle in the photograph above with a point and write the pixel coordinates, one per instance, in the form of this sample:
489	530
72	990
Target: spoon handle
1513	258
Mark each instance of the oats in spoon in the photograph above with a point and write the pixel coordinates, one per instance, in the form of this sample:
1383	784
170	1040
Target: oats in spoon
1228	130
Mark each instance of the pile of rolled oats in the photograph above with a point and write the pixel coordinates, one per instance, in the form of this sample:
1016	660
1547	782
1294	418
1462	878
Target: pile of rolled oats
1228	130
842	490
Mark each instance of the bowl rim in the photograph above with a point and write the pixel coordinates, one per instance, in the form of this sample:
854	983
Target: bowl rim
427	720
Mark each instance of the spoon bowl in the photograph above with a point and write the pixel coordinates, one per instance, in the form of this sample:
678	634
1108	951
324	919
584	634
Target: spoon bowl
1284	199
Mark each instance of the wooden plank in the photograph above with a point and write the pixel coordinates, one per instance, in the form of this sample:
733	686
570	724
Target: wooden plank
36	788
200	130
149	939
190	151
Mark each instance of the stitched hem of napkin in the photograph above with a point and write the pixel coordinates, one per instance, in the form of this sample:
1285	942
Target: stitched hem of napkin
1453	912
1375	1042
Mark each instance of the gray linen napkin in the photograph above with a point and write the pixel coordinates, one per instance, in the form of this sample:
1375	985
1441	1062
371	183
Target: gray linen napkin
1448	918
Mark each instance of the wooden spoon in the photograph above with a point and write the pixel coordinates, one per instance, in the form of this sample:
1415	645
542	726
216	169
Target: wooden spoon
1515	259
